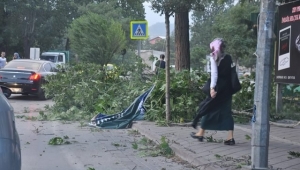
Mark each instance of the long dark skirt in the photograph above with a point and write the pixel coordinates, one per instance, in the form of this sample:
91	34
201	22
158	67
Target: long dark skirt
219	117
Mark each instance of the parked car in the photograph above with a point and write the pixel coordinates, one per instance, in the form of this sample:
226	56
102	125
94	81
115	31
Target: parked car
10	151
26	76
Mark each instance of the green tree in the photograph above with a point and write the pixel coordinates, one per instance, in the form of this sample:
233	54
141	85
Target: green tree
234	26
34	23
198	57
96	39
120	11
202	32
181	10
43	24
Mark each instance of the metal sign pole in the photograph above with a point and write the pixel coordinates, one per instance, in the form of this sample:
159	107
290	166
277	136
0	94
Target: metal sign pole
139	47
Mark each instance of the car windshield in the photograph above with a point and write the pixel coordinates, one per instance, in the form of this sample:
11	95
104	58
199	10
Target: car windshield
48	58
23	65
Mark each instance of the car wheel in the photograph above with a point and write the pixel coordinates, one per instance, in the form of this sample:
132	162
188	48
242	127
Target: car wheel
42	95
6	92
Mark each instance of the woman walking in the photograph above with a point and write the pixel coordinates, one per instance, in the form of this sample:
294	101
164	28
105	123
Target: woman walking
215	110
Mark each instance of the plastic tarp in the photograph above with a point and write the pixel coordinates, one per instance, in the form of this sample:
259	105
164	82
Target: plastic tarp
123	119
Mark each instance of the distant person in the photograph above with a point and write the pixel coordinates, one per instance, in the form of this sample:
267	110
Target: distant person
16	56
160	64
2	60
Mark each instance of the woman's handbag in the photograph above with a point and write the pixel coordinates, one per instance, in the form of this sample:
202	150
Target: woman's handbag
235	82
206	87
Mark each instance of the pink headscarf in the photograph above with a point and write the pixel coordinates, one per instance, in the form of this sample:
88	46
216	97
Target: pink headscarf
215	46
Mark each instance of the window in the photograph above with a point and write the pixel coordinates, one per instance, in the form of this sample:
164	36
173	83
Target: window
48	58
16	64
47	67
60	58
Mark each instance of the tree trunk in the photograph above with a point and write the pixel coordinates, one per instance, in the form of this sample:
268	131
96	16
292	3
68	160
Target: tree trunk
28	33
182	41
67	46
26	47
168	108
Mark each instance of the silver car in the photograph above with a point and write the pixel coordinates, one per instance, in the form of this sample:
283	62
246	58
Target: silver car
10	151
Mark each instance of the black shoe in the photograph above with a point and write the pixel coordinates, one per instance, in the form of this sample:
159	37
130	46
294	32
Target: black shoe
229	142
200	138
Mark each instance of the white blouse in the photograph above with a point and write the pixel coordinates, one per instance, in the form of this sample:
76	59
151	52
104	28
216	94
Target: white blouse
214	70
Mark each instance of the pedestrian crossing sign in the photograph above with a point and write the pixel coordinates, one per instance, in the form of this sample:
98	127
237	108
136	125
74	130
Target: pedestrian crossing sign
139	30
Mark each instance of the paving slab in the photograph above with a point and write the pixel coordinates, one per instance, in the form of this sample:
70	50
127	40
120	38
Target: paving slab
216	155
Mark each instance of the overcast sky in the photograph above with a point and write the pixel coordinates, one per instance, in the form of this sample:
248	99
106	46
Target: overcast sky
153	17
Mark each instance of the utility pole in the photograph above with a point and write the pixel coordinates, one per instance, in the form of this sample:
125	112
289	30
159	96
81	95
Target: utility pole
264	63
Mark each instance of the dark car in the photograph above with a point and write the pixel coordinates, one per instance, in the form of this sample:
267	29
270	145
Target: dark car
25	76
10	151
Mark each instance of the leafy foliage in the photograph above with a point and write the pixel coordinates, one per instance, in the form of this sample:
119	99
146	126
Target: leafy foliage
185	96
202	32
58	141
44	24
148	148
244	99
294	154
229	22
34	23
86	89
241	41
119	11
95	39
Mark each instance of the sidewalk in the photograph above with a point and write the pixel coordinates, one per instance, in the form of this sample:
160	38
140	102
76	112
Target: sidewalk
215	155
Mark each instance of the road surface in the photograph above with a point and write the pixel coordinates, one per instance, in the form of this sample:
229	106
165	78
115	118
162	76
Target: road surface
88	148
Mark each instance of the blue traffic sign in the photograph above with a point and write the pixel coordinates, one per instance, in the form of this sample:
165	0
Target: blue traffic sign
139	30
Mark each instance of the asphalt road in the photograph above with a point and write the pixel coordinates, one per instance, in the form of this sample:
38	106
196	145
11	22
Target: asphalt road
88	148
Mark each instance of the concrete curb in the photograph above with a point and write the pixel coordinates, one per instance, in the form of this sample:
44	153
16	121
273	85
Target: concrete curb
271	136
179	151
